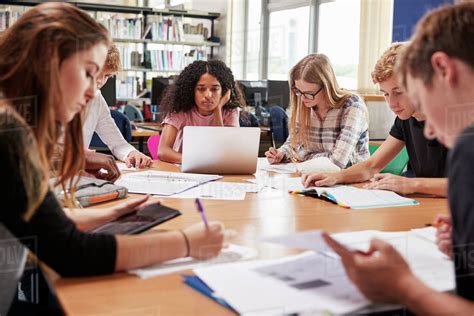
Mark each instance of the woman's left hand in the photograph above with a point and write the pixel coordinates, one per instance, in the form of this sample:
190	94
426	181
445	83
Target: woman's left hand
225	98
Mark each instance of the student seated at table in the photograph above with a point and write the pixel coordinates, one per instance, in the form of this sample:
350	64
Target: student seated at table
437	69
326	121
204	94
427	157
49	63
98	119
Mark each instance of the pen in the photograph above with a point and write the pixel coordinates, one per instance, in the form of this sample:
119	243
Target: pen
201	210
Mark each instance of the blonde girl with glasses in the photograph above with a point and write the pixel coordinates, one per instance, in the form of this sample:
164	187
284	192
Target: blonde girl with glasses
326	121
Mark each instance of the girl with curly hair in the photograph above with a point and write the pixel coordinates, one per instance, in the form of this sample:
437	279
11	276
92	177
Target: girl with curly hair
204	94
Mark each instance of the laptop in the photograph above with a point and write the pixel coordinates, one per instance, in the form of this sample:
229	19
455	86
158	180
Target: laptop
220	150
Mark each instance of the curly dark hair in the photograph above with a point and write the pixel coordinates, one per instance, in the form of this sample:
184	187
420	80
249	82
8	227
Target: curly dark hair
179	97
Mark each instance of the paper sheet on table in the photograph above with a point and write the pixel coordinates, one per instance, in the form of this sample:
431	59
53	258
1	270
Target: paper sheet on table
280	183
309	282
318	165
218	191
230	254
424	258
263	164
163	183
123	167
311	240
429	233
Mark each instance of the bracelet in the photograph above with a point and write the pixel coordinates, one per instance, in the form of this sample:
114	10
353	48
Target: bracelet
186	240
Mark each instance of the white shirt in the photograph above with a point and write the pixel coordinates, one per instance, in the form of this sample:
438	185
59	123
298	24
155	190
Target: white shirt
98	119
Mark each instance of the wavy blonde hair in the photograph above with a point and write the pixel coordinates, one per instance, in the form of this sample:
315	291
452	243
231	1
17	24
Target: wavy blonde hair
316	69
31	54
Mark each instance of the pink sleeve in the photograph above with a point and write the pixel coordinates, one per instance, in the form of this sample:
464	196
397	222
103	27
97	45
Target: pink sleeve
231	117
175	119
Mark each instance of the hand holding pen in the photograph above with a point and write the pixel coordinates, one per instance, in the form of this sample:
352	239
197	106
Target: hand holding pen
204	240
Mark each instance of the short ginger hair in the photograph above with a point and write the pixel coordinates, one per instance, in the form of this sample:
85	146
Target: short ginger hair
385	66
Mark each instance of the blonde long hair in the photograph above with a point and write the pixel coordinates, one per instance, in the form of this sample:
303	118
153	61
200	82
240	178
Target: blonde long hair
317	69
31	53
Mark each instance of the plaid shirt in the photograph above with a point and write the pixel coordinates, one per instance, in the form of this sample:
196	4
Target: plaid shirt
342	136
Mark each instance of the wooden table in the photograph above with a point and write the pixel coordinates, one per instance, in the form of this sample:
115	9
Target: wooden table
256	216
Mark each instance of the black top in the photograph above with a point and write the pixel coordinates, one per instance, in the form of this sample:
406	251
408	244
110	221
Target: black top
427	158
51	235
461	203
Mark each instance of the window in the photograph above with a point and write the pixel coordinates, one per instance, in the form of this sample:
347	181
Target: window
338	38
254	12
288	40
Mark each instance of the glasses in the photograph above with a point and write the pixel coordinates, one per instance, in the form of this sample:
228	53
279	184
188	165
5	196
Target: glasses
307	95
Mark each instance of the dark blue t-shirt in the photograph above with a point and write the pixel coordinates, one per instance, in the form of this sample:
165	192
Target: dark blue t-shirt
427	158
461	203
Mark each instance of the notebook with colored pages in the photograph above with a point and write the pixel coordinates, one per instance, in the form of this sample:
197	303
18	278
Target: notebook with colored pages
356	198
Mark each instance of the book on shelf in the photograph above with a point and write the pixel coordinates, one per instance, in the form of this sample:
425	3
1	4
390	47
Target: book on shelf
7	18
165	28
127	87
122	28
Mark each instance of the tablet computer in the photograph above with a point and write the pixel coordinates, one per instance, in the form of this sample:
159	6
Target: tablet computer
137	222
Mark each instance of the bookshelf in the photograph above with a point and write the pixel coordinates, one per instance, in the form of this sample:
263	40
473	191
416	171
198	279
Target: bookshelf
152	42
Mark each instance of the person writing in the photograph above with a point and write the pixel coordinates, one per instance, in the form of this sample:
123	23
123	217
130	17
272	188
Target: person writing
326	121
427	157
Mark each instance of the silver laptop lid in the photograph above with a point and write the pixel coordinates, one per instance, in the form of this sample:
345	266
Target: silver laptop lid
220	150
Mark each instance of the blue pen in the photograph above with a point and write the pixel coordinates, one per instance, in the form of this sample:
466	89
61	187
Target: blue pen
201	210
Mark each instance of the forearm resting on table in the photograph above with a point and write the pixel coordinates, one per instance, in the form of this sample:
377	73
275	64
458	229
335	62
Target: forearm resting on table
360	172
433	186
146	249
86	219
167	154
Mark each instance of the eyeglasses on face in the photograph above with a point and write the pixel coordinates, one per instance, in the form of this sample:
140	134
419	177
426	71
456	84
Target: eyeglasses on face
307	95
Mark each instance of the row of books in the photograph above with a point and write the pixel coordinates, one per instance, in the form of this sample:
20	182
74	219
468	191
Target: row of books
160	59
7	18
166	60
165	29
159	28
123	28
127	87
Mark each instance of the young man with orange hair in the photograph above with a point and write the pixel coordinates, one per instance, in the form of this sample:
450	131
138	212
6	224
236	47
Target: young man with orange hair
427	158
98	119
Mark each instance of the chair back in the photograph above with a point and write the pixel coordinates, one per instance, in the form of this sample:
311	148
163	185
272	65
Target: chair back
397	165
279	124
152	144
123	124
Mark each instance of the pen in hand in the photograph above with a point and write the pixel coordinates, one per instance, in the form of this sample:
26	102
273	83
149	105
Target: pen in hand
200	209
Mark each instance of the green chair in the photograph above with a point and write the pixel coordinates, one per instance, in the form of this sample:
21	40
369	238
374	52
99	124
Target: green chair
397	165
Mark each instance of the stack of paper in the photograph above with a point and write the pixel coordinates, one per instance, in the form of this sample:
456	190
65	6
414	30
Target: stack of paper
263	164
318	165
310	282
163	183
316	282
218	191
231	253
